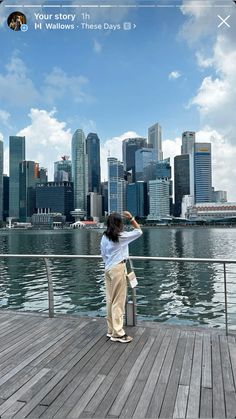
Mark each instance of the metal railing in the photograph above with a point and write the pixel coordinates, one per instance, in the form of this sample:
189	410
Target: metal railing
131	315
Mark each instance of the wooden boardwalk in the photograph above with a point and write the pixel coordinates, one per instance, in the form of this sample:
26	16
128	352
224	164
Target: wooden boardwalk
67	368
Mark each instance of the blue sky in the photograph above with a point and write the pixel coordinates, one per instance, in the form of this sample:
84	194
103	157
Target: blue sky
111	82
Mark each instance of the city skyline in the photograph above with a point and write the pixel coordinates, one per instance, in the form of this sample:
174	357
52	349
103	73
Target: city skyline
104	85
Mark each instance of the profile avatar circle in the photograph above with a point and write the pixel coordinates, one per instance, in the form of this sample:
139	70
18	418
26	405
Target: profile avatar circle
17	22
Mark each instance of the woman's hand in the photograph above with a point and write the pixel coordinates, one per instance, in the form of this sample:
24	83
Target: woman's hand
127	215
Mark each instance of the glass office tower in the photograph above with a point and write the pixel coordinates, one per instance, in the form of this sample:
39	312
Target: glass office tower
16	155
94	170
202	172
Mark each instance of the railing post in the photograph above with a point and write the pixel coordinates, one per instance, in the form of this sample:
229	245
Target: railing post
226	305
50	289
131	315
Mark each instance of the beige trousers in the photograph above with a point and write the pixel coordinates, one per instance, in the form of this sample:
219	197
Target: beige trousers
116	289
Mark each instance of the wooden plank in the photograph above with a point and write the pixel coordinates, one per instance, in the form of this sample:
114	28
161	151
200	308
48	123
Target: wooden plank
217	379
168	404
124	351
206	362
138	387
188	359
72	380
29	359
230	404
80	384
165	352
228	380
115	381
82	400
181	402
50	358
17	381
193	407
40	395
131	378
15	397
159	392
206	403
15	408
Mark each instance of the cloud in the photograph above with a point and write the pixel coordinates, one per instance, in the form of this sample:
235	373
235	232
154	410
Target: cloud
18	90
4	118
47	138
97	47
16	87
57	84
113	147
215	97
174	75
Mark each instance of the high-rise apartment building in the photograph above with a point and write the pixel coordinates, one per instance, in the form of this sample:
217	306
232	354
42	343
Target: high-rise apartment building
1	180
116	185
79	170
16	155
94	169
28	177
202	172
155	140
129	147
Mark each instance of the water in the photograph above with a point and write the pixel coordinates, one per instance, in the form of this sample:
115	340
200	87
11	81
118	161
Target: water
184	293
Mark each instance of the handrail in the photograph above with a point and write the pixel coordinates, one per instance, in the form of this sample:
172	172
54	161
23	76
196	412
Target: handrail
158	258
47	257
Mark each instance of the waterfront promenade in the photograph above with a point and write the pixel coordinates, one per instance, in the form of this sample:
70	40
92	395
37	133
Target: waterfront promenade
67	367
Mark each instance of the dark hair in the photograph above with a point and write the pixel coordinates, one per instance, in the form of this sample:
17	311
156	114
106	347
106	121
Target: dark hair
114	227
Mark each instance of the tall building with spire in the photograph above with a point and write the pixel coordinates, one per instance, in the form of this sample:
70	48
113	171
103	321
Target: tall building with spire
16	156
155	140
79	170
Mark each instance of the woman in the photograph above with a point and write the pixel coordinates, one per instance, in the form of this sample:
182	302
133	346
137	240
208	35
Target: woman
115	251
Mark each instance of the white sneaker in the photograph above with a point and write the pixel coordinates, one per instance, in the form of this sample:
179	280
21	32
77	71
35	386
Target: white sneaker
122	339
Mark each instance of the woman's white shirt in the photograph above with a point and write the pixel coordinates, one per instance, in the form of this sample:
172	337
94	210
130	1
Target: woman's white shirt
114	252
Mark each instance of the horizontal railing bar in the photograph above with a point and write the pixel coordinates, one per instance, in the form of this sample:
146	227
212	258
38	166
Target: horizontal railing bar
154	258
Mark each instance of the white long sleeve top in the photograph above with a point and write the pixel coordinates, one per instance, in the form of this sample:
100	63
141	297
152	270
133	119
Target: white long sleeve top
114	252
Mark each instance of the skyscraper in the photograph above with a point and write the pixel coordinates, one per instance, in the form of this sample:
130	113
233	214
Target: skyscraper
137	199
143	157
29	175
63	170
116	185
94	170
188	141
79	170
129	147
16	155
159	199
155	140
5	197
202	172
1	180
181	181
